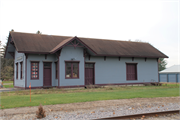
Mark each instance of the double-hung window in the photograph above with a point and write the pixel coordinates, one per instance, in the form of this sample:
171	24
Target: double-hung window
72	69
34	70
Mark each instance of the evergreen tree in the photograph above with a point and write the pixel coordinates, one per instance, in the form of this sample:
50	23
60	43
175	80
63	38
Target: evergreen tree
162	64
7	65
38	32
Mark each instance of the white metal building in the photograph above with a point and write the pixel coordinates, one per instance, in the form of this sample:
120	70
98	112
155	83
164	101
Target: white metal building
171	74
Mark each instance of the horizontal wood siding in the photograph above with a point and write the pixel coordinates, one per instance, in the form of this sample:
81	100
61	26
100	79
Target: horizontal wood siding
113	71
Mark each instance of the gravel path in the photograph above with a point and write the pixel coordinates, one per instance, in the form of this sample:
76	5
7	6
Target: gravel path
98	109
9	89
7	83
165	117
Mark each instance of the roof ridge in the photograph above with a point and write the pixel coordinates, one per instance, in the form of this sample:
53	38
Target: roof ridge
40	34
112	40
78	37
63	42
66	41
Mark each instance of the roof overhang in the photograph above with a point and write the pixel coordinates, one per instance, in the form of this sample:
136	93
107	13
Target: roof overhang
25	43
169	72
10	48
136	56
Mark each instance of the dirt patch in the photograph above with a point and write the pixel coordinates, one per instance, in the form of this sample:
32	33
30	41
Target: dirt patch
92	105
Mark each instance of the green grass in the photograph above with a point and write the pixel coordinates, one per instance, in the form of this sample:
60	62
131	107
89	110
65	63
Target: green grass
62	96
8	82
8	86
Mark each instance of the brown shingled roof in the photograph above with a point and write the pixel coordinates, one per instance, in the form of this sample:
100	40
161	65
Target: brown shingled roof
122	48
39	43
61	44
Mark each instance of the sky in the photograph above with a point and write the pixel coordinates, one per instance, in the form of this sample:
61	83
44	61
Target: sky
155	21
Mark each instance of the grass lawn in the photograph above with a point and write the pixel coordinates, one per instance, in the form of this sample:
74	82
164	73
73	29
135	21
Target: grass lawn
8	86
62	96
8	82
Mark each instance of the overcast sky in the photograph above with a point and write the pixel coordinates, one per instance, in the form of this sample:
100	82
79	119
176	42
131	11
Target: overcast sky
155	21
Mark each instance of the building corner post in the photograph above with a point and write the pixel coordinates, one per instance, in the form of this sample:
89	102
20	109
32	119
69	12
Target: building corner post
26	55
158	68
84	55
58	55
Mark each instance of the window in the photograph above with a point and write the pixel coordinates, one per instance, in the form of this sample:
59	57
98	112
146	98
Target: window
34	70
131	71
72	69
16	70
21	63
56	70
89	65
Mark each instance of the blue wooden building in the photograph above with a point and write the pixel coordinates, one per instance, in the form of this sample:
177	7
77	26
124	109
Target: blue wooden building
63	61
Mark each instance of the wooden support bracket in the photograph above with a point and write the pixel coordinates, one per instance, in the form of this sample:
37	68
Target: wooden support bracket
104	58
119	58
132	58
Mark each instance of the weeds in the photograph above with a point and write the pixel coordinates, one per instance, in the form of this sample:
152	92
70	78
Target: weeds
40	113
109	88
92	86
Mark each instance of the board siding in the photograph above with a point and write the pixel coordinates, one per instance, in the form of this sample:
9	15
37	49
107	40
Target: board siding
169	77
67	54
163	78
19	82
113	71
41	59
172	77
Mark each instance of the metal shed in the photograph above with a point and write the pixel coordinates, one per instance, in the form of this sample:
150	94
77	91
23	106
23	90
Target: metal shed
171	74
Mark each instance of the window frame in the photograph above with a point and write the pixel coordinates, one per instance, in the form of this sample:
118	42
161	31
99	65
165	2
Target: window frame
21	70
136	77
17	70
56	70
31	70
72	69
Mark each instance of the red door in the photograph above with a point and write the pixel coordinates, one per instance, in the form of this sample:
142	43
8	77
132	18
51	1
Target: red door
89	74
47	74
